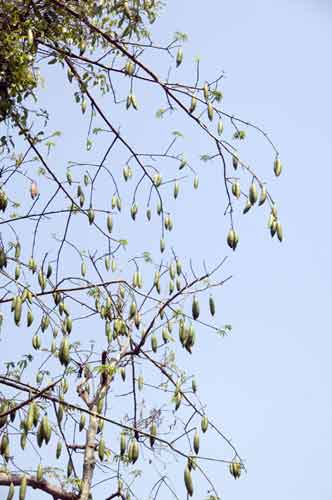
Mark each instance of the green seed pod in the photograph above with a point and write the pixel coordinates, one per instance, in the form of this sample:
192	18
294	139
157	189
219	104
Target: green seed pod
235	161
204	423
178	267
23	440
113	265
17	272
39	473
42	280
279	231
64	349
91	215
179	57
153	433
188	481
193	104
18	310
210	111
123	373
83	268
273	228
220	127
133	211
236	190
82	422
162	245
232	239
11	492
58	449
196	181
100	405
29	318
196	441
247	207
277	167
253	195
140	382
195	308
135	451
274	211
36	342
101	449
109	223
235	469
148	214
154	343
263	196
206	91
212	306
4	444
123	444
23	488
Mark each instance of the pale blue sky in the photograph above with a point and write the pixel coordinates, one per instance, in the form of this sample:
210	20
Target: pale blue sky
268	384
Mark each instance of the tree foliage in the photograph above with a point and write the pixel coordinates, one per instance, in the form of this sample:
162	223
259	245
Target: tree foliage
101	394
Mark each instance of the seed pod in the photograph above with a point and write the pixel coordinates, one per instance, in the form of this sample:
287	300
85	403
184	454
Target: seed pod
154	343
236	190
58	449
235	469
101	449
274	211
135	451
23	488
262	196
179	57
18	310
33	190
64	352
133	211
39	474
279	231
11	492
82	422
36	413
123	444
29	318
206	91
193	104
235	161
91	215
4	444
204	423
148	214
23	440
253	195
210	111
109	223
162	245
83	268
247	207
17	272
140	382
231	239
277	167
195	308
123	373
212	306
188	481
178	267
153	433
273	228
36	342
84	105
196	442
220	127
196	181
191	462
69	468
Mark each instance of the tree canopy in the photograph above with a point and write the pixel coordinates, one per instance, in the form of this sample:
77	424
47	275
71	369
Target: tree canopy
104	388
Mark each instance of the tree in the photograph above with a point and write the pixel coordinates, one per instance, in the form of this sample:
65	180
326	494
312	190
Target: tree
106	328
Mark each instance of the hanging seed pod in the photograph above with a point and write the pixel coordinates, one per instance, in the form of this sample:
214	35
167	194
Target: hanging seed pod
273	228
196	441
176	189
83	268
162	245
4	445
148	214
91	215
153	434
196	181
18	310
11	492
58	449
210	111
212	306
133	211
33	190
158	209
220	127
17	272
263	196
157	179
236	190
192	462
17	250
23	488
23	440
135	451
36	342
235	161
235	469
134	101
101	450
81	200
195	308
109	223
154	343
178	266
64	356
206	91
140	382
39	473
279	231
69	468
274	211
247	207
204	423
277	167
190	339
232	239
193	104
82	422
123	444
253	195
179	57
123	373
188	481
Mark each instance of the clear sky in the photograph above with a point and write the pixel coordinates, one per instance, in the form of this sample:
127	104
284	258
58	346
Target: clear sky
269	383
